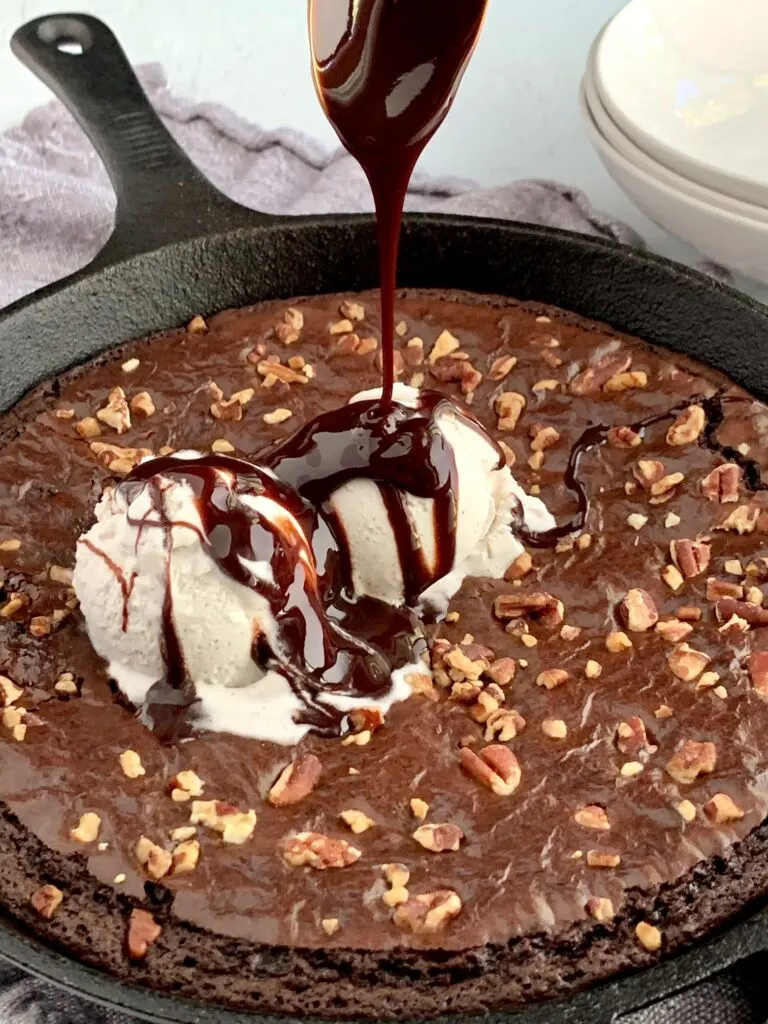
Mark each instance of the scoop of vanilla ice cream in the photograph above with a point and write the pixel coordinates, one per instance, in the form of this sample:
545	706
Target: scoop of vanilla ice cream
127	567
485	503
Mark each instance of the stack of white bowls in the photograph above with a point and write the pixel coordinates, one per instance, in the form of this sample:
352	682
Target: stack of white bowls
675	100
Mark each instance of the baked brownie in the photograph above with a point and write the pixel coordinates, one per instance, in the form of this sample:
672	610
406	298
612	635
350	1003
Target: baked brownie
579	788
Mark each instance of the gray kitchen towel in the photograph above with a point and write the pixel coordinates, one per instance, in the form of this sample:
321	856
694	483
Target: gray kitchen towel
56	210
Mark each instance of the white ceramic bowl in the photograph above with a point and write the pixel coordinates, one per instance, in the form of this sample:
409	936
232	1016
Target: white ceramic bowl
687	82
733	240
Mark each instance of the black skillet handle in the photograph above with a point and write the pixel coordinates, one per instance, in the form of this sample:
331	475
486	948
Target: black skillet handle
161	196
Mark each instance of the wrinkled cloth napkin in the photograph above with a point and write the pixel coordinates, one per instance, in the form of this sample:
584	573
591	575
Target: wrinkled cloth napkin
56	211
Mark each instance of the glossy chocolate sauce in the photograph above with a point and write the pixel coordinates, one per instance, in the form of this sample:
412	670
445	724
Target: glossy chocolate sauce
387	73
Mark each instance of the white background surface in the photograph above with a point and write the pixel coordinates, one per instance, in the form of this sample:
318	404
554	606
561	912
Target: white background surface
516	115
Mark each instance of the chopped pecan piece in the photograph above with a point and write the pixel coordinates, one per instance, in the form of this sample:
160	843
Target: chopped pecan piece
296	781
687	810
87	829
692	758
722	484
131	764
626	381
753	614
439	837
509	406
674	630
143	930
688	427
758	672
501	366
551	678
723	810
444	345
639	610
617	642
197	325
142	405
318	851
632	738
88	428
153	858
723	588
544	439
624	437
648	936
503	725
429	912
664	489
293	318
116	413
593	669
330	925
647	472
672	577
185	785
540	606
592	816
521	566
690	556
595	376
502	671
120	461
235	826
686	663
601	909
47	901
357	821
495	766
352	310
742	520
554	728
9	691
603	859
419	808
185	857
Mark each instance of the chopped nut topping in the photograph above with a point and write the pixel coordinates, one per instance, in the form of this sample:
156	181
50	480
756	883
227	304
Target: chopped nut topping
723	810
131	365
686	663
143	930
16	604
544	439
672	577
639	609
429	912
631	768
595	376
626	381
185	785
570	633
554	728
439	838
296	781
602	859
672	519
504	725
9	691
115	413
131	764
87	830
722	484
197	325
540	606
495	766
281	373
593	669
368	345
235	826
502	671
445	344
344	326
743	612
707	680
419	808
180	835
501	367
47	901
357	821
690	556
691	760
40	625
663	711
649	936
686	810
663	489
509	406
551	678
185	857
352	310
632	738
688	427
397	875
722	588
592	816
758	672
293	318
277	416
601	909
222	446
142	405
521	566
742	520
13	544
318	851
636	520
153	858
673	630
617	642
330	925
120	461
64	414
548	384
624	437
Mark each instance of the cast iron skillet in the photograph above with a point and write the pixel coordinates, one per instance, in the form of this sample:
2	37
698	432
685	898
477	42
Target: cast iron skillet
180	247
